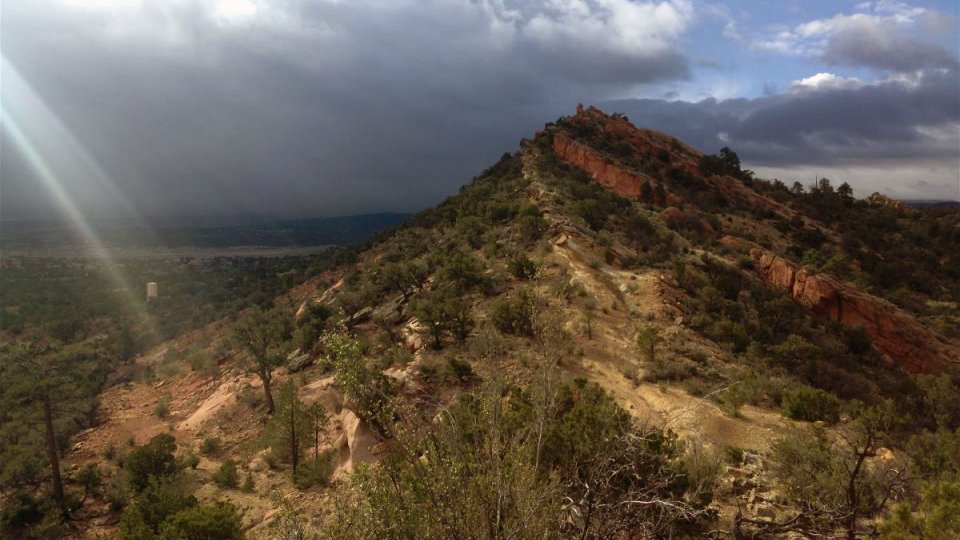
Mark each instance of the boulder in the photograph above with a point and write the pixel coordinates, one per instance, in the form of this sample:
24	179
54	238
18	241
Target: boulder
299	362
270	514
390	312
358	443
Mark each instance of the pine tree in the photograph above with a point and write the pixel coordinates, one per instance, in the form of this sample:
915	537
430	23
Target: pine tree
263	335
290	427
319	420
846	194
660	195
43	378
646	192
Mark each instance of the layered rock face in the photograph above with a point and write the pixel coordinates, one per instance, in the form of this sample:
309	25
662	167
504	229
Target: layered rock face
622	182
893	332
647	145
643	142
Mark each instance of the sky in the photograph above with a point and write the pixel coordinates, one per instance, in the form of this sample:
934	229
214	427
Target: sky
308	108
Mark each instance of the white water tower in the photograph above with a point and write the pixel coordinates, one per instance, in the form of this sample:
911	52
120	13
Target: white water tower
152	290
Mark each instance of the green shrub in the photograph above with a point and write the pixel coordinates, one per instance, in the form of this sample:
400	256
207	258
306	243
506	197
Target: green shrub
315	472
732	399
152	460
676	370
514	314
809	466
857	339
202	361
191	459
727	331
764	388
400	499
936	516
90	478
19	510
162	409
697	386
702	468
310	325
273	462
460	269
109	451
444	311
586	438
530	227
116	492
647	340
460	369
471	229
248	485
51	527
370	390
397	355
810	404
159	500
165	511
522	267
210	446
226	477
632	373
936	453
251	397
220	521
734	455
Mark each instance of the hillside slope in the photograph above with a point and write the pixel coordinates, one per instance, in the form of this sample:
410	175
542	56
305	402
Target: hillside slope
599	252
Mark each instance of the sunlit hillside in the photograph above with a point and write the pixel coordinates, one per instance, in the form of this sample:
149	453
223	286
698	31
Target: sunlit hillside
605	334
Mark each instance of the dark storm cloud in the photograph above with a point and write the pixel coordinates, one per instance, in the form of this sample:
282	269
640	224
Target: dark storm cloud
314	108
889	122
872	45
323	107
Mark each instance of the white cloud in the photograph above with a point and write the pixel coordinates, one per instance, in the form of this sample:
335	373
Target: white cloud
886	35
617	26
825	81
898	11
235	11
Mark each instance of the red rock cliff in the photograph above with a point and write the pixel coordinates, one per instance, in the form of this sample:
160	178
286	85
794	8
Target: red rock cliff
646	144
893	332
619	180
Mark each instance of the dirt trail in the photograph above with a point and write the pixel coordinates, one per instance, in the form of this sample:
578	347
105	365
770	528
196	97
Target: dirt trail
223	396
642	299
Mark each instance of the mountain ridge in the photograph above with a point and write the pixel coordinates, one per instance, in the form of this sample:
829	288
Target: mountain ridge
601	264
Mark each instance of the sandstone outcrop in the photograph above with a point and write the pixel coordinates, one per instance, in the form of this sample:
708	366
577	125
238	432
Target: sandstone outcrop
646	145
615	178
878	199
357	444
895	333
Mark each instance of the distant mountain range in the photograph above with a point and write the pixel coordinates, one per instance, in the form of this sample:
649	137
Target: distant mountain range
933	203
20	236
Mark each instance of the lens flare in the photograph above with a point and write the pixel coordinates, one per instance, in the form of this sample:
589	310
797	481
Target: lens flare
56	157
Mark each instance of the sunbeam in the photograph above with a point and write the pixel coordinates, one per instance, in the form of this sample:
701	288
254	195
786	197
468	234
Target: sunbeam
55	156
